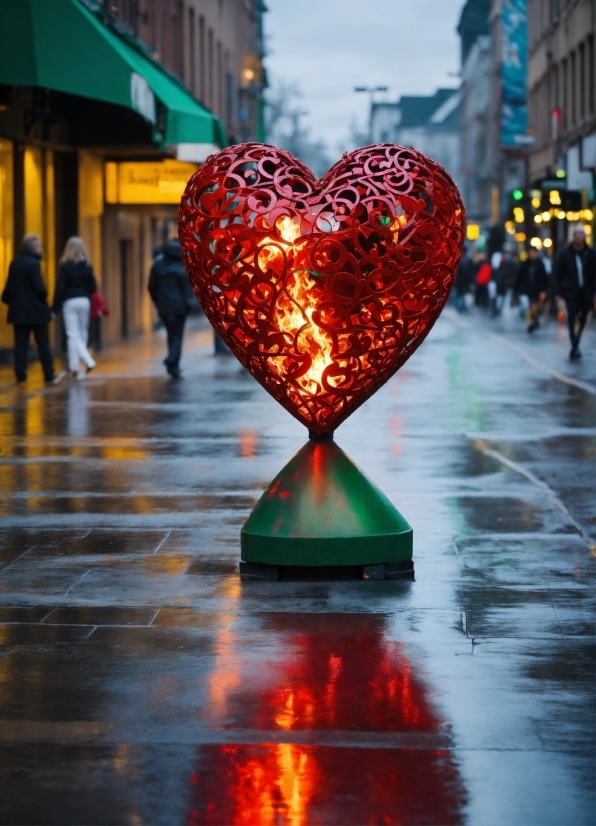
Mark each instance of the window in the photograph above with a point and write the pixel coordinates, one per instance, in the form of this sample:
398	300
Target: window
40	206
229	100
201	57
219	103
564	97
573	90
6	207
581	56
591	90
554	11
191	51
210	68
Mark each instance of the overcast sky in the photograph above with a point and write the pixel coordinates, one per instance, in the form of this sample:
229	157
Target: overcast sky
329	46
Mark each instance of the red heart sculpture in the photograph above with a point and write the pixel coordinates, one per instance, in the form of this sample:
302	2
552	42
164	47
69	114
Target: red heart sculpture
321	289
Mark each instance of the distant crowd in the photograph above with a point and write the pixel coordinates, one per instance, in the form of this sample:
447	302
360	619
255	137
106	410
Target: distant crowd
535	285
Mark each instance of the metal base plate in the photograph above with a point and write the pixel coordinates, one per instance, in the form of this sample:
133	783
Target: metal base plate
384	570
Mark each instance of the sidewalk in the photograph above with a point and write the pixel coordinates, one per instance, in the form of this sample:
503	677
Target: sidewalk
143	682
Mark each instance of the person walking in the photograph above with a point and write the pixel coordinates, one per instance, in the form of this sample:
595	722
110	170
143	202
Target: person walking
76	284
28	311
463	281
532	281
575	277
483	277
168	287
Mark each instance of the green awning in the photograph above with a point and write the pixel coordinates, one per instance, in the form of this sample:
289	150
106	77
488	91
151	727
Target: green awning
61	45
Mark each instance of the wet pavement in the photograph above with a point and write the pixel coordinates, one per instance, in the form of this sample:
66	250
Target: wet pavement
141	681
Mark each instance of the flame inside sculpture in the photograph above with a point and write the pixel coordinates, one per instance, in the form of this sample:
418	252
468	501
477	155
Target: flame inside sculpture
321	289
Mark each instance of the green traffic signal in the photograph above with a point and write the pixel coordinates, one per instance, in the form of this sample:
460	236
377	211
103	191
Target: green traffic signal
517	194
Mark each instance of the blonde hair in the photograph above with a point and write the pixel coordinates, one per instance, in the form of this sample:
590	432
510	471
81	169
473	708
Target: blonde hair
75	251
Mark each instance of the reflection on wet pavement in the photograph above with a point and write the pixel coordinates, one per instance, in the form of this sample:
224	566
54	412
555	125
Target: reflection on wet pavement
134	660
336	673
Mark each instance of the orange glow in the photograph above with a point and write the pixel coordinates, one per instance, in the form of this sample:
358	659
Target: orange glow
295	306
337	674
322	289
248	443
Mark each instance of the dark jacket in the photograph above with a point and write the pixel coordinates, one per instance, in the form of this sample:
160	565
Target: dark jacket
74	281
531	278
25	292
465	275
168	282
506	275
566	274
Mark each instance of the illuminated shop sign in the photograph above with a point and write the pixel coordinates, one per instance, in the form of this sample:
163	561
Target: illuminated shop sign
145	182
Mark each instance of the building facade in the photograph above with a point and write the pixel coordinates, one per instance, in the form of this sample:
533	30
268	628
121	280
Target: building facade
495	134
428	123
477	181
214	46
562	112
106	109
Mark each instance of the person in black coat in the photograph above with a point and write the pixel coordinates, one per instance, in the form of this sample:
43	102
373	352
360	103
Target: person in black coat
575	276
532	281
26	296
463	281
168	287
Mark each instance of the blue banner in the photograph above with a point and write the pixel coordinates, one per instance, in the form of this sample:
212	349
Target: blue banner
514	72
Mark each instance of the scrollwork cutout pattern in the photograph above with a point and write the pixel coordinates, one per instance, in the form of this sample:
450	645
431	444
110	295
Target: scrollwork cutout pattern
322	289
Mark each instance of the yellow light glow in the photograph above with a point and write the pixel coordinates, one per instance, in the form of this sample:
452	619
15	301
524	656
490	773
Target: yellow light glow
589	215
6	224
547	243
147	182
536	242
510	227
588	229
520	236
538	219
518	215
546	215
472	232
535	202
554	197
569	216
111	182
576	216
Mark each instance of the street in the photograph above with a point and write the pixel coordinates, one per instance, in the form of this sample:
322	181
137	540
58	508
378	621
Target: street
134	659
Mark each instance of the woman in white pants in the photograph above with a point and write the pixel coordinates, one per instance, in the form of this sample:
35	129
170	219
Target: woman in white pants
76	283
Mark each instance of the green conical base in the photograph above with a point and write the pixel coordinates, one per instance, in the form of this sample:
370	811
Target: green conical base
321	510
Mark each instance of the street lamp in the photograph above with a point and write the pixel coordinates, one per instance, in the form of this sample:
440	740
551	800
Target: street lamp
370	90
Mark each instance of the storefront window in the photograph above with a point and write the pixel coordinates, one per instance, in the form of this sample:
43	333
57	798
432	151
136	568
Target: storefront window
40	207
6	208
6	228
91	187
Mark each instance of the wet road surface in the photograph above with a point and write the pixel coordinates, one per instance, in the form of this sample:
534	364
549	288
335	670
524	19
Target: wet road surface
142	682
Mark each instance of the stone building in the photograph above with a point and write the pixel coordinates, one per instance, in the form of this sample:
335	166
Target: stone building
562	111
106	108
476	79
214	46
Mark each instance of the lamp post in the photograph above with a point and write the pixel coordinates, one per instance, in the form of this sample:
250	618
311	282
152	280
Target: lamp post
370	90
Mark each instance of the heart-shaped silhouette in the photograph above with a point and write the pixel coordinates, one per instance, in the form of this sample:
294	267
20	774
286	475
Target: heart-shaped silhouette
322	289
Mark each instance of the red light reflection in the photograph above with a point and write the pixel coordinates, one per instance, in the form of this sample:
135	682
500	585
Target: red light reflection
346	689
